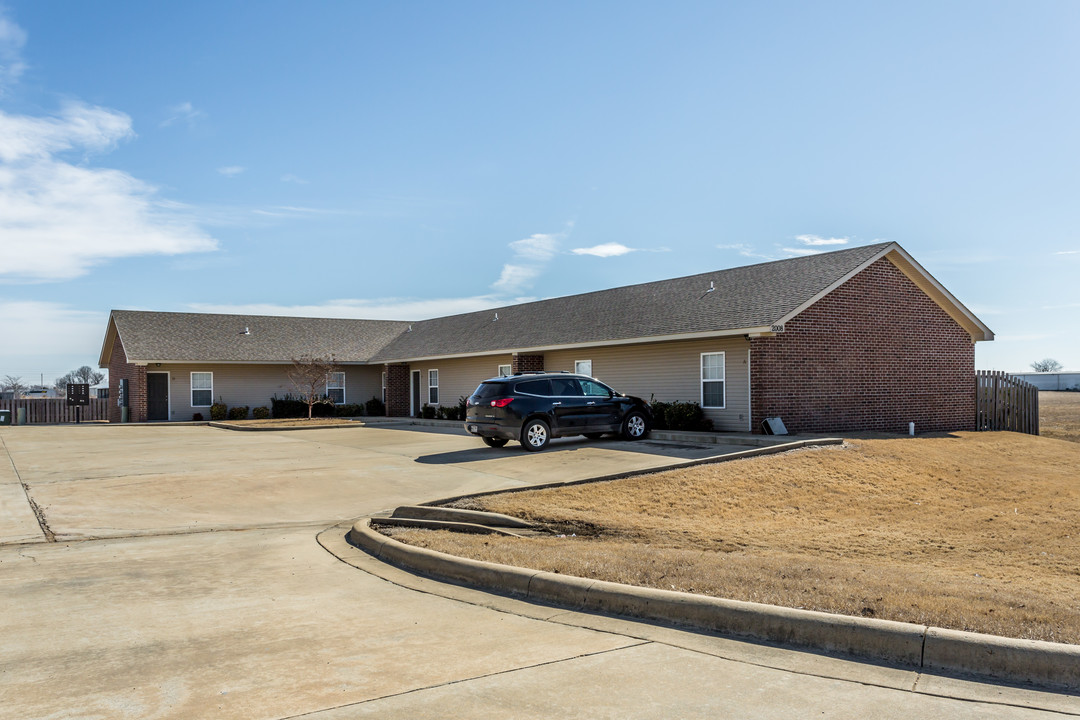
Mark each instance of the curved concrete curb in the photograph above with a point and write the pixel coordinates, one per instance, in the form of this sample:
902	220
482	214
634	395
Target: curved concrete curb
918	646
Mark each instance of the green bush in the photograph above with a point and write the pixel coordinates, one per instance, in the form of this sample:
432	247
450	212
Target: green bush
679	415
350	410
239	412
453	412
260	413
197	417
428	412
219	411
374	407
293	407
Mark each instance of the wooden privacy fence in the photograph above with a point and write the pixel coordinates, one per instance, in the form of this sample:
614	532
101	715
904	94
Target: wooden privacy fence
55	410
1003	402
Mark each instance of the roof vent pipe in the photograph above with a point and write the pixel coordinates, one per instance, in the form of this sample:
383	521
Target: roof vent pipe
245	331
496	317
712	287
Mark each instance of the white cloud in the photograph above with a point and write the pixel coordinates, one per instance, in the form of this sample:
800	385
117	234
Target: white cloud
802	251
231	170
12	39
540	247
1068	252
73	338
515	277
185	113
531	254
816	240
58	219
745	250
290	178
611	249
375	309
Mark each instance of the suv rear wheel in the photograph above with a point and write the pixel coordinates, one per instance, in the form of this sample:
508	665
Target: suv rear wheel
535	435
634	426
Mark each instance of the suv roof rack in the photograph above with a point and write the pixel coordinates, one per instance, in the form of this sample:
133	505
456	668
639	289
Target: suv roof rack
530	372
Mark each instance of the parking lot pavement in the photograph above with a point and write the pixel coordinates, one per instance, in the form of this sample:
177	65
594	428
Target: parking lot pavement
186	581
101	481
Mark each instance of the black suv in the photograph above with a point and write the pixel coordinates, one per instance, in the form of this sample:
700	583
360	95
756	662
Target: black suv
535	407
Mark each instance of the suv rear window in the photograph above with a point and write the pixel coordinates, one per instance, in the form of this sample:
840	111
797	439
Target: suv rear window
490	389
535	387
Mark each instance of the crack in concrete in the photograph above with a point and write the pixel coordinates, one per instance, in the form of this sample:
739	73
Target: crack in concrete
315	713
39	512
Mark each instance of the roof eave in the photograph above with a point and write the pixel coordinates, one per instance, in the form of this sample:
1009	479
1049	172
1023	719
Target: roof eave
759	331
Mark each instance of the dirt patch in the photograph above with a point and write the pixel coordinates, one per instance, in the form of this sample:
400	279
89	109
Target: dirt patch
973	531
1059	415
272	423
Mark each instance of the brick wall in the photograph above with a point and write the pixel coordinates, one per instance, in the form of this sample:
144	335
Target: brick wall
119	368
526	363
874	354
397	390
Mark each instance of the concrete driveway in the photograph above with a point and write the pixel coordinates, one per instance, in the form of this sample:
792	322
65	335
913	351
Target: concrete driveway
174	572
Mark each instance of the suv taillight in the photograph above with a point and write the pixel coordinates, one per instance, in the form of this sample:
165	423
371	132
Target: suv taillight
501	402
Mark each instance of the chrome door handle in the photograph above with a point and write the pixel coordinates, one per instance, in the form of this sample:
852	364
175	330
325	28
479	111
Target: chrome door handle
590	403
556	403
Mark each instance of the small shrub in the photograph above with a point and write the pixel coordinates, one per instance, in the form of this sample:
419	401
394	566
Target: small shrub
427	412
350	410
260	413
197	417
374	407
219	411
454	412
239	412
679	415
287	407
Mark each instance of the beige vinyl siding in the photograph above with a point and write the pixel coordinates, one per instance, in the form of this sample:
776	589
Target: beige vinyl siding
254	385
458	377
670	371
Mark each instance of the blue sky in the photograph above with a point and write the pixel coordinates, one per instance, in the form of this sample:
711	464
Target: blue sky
409	160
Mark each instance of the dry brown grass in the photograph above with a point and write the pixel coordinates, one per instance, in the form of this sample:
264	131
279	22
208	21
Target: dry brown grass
290	422
1059	415
975	531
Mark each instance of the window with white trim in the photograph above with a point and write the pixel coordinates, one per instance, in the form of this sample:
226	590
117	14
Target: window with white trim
202	389
583	367
433	387
712	380
504	371
335	387
384	388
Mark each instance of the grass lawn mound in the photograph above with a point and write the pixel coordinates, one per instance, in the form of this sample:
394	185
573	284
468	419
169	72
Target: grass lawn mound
970	531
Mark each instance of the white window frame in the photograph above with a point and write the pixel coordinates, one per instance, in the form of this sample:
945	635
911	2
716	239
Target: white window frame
432	375
506	370
722	380
192	388
329	387
384	388
579	371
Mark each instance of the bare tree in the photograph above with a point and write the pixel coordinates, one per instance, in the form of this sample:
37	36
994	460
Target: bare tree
14	385
308	375
1046	365
86	374
60	385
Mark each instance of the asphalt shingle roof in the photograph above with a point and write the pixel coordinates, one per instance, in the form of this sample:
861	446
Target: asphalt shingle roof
159	336
743	297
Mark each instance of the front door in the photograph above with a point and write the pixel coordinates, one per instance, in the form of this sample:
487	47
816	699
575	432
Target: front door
414	405
157	397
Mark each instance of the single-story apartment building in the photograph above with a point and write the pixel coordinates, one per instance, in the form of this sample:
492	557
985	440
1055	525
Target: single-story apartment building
857	339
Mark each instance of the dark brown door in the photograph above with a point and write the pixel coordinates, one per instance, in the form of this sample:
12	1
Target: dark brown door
157	397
